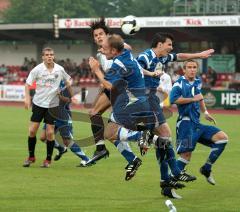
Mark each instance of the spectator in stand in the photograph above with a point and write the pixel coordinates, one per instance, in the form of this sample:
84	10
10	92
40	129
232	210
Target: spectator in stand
205	83
61	62
26	64
85	68
211	76
235	82
32	64
175	76
1	80
3	69
68	66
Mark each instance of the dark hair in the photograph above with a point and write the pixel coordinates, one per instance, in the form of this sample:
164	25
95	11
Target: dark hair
160	37
115	41
99	24
47	49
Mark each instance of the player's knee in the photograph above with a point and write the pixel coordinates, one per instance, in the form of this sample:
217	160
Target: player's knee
164	142
221	136
42	138
224	136
91	113
186	155
163	130
111	131
32	132
109	135
50	134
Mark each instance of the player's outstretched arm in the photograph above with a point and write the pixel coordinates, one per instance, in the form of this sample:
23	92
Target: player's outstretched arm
200	55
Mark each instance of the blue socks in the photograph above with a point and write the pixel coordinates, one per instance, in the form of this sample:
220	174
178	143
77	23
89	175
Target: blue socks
77	151
125	150
170	157
163	166
216	151
181	163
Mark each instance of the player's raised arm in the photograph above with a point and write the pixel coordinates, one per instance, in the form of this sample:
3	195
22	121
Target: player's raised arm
95	68
200	55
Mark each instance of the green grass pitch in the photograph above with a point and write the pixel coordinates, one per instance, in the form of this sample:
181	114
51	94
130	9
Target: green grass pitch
64	187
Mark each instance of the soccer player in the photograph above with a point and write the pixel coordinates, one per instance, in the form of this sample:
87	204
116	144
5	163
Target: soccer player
164	88
131	109
150	60
48	76
63	125
99	32
186	93
124	75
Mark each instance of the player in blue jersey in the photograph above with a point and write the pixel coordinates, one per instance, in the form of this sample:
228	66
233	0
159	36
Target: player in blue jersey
99	32
150	60
131	109
186	93
63	125
125	81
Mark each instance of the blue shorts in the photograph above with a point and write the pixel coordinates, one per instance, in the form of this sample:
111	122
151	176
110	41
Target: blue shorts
64	128
133	116
189	133
154	102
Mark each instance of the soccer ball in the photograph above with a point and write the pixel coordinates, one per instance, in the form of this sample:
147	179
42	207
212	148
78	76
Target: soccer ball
130	25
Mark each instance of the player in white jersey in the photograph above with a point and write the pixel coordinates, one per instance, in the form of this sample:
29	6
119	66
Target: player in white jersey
165	87
102	101
48	76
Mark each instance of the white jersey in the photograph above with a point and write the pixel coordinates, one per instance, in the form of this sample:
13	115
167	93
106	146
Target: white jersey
165	83
47	84
104	62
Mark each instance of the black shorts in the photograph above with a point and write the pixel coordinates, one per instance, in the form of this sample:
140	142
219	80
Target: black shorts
40	113
107	93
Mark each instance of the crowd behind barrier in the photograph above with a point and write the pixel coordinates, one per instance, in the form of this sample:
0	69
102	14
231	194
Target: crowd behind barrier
17	75
81	74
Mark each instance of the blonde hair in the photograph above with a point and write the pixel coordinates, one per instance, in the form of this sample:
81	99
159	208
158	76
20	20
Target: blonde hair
189	61
47	49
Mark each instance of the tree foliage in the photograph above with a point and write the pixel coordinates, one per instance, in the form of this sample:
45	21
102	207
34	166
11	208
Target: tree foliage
26	11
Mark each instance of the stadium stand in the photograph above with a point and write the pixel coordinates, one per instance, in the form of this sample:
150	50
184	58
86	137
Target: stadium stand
17	75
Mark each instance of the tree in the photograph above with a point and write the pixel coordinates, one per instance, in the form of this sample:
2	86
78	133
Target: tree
26	11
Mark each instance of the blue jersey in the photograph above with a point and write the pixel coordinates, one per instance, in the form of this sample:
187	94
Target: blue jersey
127	76
64	92
64	115
63	122
150	62
128	98
183	88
